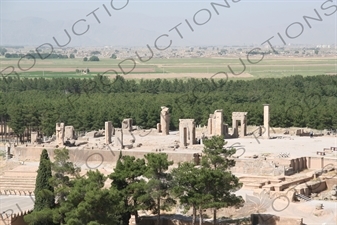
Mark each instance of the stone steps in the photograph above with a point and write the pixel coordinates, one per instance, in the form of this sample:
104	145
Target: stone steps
17	183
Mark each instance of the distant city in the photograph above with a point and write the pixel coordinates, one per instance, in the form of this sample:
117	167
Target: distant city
322	50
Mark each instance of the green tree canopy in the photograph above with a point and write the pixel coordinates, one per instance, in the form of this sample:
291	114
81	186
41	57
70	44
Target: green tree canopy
93	58
44	194
159	179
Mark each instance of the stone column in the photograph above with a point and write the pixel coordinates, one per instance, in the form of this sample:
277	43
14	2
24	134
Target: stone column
244	124
33	137
235	128
183	136
242	130
209	126
60	134
158	127
165	120
219	122
266	133
108	131
192	135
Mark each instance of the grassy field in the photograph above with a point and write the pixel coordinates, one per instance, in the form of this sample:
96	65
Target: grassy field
178	68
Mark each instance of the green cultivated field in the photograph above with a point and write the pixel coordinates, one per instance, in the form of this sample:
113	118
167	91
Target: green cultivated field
178	68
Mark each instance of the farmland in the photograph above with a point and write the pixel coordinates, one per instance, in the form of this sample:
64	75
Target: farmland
270	66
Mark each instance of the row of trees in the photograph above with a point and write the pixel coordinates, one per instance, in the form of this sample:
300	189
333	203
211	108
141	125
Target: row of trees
37	56
92	58
64	197
37	104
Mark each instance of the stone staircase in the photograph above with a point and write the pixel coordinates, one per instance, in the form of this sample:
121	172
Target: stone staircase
17	183
303	197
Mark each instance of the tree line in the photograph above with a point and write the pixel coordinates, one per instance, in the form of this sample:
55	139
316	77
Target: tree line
40	55
37	104
62	196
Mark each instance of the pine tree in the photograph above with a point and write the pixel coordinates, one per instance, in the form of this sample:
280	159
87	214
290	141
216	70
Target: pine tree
159	180
217	161
126	178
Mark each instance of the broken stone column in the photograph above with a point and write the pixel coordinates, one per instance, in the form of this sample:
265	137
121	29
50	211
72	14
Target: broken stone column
33	137
119	138
158	128
266	118
165	120
69	133
60	134
108	132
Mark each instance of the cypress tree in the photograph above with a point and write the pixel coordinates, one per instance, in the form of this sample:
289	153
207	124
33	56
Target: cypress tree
44	192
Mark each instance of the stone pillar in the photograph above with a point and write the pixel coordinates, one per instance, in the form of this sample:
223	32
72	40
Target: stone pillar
119	138
165	120
108	132
60	134
243	128
33	137
209	125
158	127
182	133
235	128
218	115
266	133
192	136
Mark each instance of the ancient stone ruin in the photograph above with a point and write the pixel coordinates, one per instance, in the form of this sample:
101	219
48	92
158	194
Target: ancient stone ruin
164	125
266	133
215	123
127	125
242	117
60	134
187	132
108	132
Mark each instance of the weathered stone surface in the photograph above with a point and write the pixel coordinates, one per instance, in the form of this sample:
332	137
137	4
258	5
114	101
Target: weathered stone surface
69	132
108	132
242	117
187	131
164	120
60	134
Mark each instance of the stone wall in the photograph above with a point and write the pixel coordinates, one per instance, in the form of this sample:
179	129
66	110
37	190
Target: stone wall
104	156
281	166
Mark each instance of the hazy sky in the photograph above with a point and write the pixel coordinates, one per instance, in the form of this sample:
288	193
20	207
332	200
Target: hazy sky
142	22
